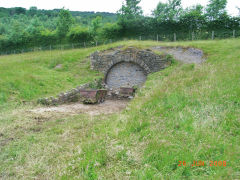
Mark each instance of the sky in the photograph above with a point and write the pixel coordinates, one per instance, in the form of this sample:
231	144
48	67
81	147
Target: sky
105	5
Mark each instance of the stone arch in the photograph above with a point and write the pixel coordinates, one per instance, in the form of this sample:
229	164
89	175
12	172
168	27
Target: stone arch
146	60
125	74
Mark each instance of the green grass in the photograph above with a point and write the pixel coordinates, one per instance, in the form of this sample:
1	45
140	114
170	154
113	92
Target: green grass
29	76
184	113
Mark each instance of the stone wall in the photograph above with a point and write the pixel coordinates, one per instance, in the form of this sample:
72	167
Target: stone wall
64	97
72	95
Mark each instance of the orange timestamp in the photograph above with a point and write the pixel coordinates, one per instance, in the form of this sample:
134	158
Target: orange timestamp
203	163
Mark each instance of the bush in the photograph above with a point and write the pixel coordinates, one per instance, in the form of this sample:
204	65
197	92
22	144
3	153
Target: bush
79	34
48	37
110	31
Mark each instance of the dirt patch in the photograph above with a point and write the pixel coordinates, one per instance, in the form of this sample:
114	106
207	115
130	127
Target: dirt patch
108	107
59	66
186	55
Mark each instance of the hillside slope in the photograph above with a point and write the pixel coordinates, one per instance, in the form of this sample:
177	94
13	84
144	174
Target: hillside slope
28	76
184	113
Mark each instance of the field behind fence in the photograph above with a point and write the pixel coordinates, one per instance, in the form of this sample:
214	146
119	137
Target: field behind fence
201	35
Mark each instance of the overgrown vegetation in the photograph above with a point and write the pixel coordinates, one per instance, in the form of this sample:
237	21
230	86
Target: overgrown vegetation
22	29
186	112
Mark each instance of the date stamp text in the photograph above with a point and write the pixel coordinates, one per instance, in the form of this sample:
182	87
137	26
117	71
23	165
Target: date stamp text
203	163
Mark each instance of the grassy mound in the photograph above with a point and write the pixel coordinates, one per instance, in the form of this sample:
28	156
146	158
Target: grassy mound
184	113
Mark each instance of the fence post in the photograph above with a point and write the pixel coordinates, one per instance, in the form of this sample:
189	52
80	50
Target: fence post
72	46
157	37
50	48
84	44
174	37
96	43
212	35
234	33
140	38
192	36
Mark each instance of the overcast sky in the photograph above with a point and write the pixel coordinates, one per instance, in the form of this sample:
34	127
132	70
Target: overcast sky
104	5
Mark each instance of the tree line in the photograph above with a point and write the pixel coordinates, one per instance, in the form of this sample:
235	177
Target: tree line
21	28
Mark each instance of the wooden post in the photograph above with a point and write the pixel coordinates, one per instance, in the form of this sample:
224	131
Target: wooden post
174	37
72	46
50	48
84	44
192	36
157	37
234	33
212	35
140	38
96	43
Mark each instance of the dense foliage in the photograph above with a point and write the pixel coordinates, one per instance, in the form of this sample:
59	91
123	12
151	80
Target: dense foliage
21	28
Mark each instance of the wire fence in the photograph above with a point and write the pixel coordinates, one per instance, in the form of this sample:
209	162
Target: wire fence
201	35
57	47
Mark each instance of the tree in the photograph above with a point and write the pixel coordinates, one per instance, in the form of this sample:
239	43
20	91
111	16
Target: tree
215	9
96	24
193	18
130	18
20	10
95	27
64	23
130	9
168	11
32	11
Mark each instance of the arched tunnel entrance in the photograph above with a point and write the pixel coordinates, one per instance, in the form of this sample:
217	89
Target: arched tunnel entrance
125	74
